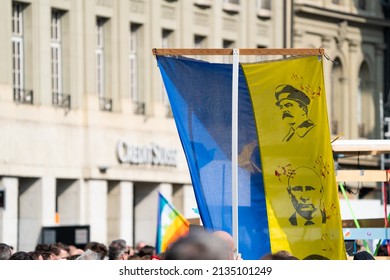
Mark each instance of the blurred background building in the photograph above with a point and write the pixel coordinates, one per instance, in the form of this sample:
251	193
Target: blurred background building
87	134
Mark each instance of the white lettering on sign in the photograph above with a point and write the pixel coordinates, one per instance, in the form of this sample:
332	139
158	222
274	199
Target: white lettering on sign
145	155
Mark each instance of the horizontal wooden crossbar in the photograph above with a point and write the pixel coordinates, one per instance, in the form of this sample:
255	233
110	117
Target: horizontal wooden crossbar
264	51
362	176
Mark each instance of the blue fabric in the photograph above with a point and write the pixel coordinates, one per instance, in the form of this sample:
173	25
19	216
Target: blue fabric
200	94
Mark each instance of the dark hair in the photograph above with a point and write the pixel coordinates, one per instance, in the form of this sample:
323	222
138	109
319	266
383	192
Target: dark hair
198	246
63	246
281	255
146	251
116	249
72	258
21	256
42	247
97	247
35	255
363	255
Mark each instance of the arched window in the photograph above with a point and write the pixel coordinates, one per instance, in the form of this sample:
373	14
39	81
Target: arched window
337	97
365	104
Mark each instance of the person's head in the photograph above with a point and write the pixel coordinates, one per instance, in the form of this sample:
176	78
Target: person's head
57	252
134	258
280	255
42	247
147	250
73	257
293	103
228	239
89	255
118	250
21	256
306	191
46	256
131	250
199	246
73	250
363	255
5	251
382	251
64	250
97	247
36	255
140	245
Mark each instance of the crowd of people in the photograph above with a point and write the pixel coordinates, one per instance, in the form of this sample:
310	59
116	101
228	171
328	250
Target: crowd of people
218	245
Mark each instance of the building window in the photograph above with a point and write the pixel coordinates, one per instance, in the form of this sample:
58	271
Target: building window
366	104
21	95
100	57
167	42
236	2
337	96
56	53
228	44
261	57
362	5
200	42
263	8
59	99
231	6
134	57
263	4
104	102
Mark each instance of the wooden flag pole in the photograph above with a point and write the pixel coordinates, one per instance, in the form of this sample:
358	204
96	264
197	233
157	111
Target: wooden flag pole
319	51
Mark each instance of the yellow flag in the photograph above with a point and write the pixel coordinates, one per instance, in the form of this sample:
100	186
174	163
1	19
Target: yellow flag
288	98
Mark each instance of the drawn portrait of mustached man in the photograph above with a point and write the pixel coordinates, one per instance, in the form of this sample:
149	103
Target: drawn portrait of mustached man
306	193
294	105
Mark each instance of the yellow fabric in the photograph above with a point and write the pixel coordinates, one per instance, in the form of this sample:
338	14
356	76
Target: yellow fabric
179	227
296	155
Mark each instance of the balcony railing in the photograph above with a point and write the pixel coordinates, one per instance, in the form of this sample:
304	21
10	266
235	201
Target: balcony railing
139	108
61	100
23	96
105	104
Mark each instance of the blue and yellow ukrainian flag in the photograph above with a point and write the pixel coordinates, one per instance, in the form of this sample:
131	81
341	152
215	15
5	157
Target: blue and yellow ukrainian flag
288	196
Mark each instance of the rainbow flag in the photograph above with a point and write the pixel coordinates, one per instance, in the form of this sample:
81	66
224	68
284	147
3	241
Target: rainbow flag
171	224
287	188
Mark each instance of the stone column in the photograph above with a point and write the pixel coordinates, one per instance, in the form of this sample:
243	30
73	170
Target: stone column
36	209
350	99
96	211
379	66
9	214
166	190
326	42
120	212
69	202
